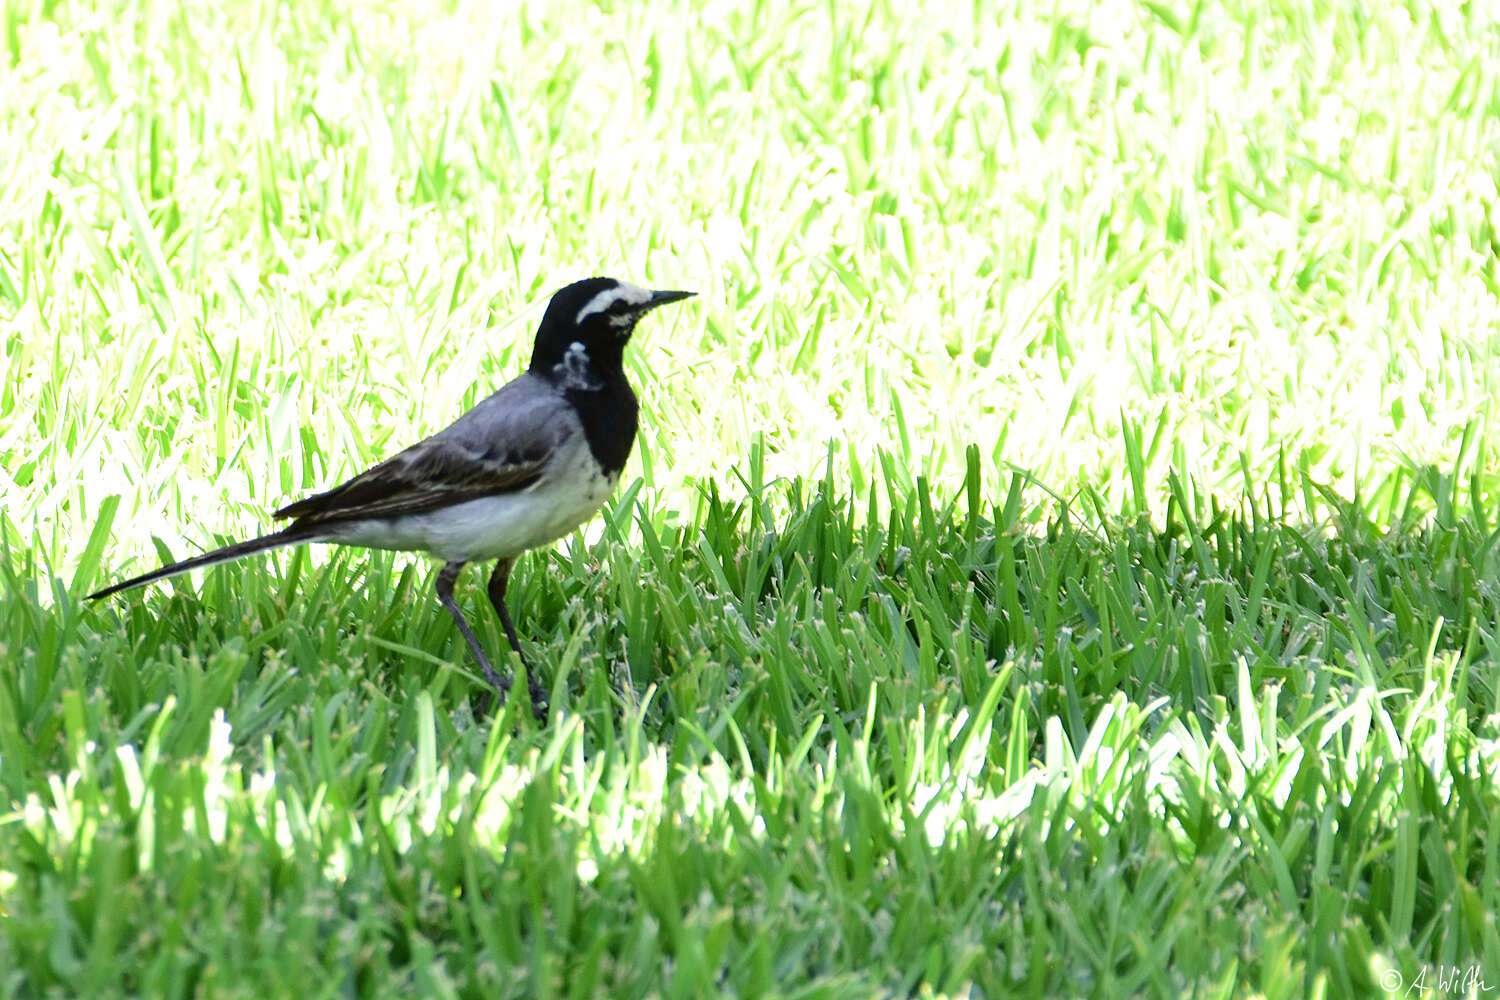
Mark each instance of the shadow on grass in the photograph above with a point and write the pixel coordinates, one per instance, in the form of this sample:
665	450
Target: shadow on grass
802	744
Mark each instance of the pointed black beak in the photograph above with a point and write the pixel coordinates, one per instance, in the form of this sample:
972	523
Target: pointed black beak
662	298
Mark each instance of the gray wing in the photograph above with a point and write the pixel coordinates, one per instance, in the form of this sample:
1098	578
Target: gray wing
502	445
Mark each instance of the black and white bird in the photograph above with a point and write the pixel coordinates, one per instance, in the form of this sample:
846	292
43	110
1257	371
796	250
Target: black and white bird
521	469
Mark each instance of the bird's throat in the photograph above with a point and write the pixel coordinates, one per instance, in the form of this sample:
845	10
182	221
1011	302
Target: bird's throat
610	416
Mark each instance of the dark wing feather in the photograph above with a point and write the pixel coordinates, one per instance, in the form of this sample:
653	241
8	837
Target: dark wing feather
501	446
424	477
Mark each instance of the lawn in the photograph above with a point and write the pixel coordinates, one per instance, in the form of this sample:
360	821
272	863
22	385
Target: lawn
1059	558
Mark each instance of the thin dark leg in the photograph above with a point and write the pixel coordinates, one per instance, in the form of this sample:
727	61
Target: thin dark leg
445	579
498	581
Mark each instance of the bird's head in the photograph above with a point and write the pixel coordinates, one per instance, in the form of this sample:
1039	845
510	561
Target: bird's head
586	326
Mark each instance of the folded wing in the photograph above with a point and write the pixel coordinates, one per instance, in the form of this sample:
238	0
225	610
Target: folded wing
502	445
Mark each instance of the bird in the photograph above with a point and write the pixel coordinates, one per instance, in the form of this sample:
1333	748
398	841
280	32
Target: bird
526	466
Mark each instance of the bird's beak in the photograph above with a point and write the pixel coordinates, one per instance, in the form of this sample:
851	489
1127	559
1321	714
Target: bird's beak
662	298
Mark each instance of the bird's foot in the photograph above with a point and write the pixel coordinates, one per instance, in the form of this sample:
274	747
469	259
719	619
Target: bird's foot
498	685
501	685
539	705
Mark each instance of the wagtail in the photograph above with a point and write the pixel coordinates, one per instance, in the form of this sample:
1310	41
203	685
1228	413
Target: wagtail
520	470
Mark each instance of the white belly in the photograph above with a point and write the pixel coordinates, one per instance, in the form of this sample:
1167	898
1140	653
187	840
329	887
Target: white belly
496	527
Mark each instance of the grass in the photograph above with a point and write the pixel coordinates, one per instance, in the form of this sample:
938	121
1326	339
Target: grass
1060	556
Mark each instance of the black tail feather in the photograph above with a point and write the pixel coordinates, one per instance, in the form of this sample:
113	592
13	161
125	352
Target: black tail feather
275	540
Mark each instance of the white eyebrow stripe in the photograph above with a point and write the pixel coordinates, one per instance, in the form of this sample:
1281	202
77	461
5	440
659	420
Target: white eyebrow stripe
633	294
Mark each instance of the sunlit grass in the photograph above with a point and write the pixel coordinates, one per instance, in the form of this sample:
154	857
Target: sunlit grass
1059	558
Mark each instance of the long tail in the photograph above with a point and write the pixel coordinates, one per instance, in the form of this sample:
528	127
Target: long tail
275	540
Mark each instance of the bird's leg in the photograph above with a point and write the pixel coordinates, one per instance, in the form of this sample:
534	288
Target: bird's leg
445	579
498	581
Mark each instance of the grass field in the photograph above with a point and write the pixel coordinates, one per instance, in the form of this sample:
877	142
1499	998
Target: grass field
1059	559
